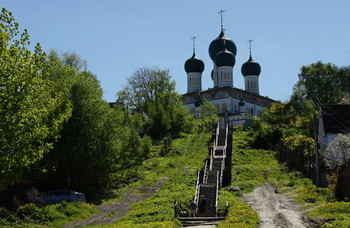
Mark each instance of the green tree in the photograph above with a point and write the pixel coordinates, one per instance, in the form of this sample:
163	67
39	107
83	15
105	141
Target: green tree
321	83
344	74
208	116
29	122
99	146
151	92
145	85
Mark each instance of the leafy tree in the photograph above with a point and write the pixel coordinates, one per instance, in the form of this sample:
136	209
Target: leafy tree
278	113
208	116
300	144
151	92
29	121
144	86
321	83
344	74
99	146
337	153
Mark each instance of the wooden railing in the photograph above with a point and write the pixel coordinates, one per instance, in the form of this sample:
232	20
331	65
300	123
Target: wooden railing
196	195
217	192
211	158
205	175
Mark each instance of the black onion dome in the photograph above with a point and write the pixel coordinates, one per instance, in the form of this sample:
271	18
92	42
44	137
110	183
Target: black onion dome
251	68
212	74
218	45
225	58
194	64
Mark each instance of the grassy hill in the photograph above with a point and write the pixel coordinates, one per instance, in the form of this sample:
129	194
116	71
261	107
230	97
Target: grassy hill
186	155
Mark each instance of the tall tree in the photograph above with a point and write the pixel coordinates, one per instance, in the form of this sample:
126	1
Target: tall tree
29	123
151	92
321	83
99	148
144	86
344	74
208	116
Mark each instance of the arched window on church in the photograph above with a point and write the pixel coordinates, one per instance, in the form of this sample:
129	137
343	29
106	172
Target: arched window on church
248	83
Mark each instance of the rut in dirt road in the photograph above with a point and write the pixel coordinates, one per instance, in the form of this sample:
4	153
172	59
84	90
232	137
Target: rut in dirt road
109	213
276	210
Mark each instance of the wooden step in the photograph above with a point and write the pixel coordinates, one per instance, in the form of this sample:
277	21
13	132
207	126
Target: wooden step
197	221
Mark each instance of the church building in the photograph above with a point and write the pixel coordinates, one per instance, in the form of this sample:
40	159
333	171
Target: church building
234	105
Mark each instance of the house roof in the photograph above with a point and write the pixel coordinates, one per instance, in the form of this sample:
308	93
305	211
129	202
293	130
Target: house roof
336	118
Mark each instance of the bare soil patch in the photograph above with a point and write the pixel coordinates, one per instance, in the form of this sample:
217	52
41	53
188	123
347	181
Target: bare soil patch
276	210
111	212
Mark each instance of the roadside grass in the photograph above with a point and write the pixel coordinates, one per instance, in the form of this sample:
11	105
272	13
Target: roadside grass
179	166
240	214
55	215
252	167
335	214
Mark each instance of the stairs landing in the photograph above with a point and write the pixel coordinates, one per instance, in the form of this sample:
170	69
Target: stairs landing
200	221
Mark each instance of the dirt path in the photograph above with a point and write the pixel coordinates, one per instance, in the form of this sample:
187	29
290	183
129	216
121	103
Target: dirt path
111	212
276	210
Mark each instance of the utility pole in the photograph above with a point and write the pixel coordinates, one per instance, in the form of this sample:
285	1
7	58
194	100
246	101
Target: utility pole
317	168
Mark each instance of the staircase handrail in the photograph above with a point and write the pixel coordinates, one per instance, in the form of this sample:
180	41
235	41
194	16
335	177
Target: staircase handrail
226	129
211	158
217	133
222	168
176	209
217	192
226	135
196	195
205	175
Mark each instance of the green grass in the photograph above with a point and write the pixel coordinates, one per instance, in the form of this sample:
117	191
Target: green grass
240	214
253	167
56	215
180	167
336	214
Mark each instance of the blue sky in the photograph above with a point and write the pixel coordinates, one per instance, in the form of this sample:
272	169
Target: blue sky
117	37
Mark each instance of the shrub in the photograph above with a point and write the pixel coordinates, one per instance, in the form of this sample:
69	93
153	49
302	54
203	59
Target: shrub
30	211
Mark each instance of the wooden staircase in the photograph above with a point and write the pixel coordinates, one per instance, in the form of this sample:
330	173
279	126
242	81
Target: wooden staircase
200	221
217	173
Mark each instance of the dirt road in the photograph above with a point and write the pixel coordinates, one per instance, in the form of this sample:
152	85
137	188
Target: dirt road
276	210
111	212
